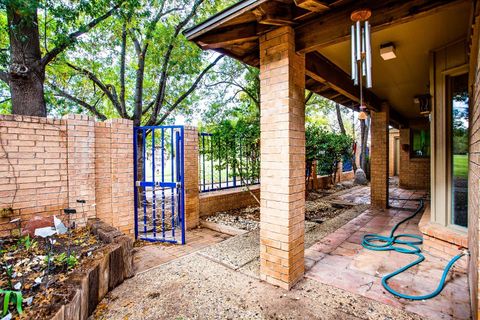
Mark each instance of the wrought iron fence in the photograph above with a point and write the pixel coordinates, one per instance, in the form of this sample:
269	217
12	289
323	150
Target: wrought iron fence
227	162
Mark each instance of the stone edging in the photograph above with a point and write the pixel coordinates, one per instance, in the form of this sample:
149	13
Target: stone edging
111	265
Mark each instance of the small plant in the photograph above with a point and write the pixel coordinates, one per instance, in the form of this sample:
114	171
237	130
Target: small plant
9	272
70	261
14	297
26	242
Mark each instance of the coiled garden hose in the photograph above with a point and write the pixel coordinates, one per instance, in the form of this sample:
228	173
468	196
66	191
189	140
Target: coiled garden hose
409	245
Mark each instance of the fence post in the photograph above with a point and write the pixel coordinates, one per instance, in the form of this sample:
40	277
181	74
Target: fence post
191	179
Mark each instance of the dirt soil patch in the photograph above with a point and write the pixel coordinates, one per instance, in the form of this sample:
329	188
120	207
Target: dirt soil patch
317	210
38	269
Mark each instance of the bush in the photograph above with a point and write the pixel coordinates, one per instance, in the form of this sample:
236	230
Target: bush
327	148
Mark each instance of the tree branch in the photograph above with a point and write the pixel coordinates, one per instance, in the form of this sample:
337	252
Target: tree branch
89	107
72	37
105	88
163	77
123	55
189	91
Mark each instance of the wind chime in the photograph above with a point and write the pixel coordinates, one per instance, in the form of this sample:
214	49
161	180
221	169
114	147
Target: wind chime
361	54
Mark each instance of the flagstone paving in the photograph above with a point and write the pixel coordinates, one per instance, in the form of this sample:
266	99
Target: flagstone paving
341	261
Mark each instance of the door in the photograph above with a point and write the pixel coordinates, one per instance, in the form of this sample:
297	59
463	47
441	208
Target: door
159	183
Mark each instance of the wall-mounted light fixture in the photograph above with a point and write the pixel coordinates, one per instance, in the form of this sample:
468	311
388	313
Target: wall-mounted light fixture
423	102
387	51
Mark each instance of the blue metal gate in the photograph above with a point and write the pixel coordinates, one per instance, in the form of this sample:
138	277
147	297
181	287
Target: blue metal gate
159	183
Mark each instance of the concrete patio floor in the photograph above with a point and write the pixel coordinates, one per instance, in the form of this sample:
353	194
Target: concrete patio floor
220	280
155	254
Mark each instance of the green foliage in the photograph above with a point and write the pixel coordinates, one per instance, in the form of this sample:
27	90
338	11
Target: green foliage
236	143
9	272
62	259
328	148
14	297
26	242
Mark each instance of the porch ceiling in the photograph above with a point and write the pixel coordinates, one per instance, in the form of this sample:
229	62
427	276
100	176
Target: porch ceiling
322	31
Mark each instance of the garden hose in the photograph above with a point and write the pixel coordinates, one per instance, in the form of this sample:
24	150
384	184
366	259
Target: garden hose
407	244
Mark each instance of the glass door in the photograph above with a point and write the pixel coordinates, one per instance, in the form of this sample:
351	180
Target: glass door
459	124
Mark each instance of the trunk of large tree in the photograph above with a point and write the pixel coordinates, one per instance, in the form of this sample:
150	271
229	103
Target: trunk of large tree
27	73
364	126
340	119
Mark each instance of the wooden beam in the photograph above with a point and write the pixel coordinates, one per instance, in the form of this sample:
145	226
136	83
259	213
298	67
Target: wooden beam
228	36
274	13
327	73
312	5
324	71
334	26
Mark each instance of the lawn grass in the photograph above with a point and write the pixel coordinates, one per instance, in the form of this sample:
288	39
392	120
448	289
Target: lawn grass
460	165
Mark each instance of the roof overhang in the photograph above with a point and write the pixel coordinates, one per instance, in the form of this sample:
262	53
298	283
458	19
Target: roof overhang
236	30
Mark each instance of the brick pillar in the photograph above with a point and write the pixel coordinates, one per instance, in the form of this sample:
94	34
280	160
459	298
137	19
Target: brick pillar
81	165
103	171
121	155
379	157
192	205
282	229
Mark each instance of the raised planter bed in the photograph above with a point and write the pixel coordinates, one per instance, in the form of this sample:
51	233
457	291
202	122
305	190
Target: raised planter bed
75	294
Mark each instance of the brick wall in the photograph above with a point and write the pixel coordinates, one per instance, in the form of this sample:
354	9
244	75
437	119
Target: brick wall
282	124
474	168
229	199
379	157
414	172
33	163
192	205
49	164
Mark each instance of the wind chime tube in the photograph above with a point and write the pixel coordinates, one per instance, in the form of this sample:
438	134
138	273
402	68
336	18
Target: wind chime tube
368	55
359	39
364	67
353	56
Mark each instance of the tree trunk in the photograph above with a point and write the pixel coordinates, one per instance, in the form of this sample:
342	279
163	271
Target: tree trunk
364	137
27	73
340	120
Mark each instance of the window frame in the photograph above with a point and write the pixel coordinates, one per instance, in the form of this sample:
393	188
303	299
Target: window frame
412	154
448	74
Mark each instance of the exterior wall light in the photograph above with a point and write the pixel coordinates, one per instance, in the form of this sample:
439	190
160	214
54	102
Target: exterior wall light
387	51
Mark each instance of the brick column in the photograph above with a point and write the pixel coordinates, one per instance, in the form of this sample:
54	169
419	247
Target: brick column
103	172
379	157
81	165
192	205
121	154
282	229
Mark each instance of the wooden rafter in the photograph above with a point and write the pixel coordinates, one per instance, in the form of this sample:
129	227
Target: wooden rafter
340	85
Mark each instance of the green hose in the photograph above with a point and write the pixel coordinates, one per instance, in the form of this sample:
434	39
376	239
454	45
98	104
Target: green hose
410	243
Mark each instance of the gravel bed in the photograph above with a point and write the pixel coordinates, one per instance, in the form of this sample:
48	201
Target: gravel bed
194	287
234	220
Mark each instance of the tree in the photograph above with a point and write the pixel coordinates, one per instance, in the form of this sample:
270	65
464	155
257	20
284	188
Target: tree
148	69
24	62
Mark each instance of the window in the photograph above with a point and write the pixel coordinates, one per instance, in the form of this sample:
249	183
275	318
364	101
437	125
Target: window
458	153
420	142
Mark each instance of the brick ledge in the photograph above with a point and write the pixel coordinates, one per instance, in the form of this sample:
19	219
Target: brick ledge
435	230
